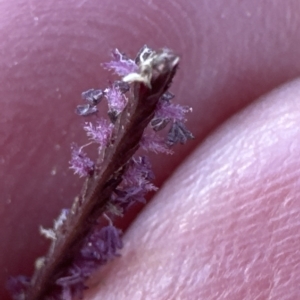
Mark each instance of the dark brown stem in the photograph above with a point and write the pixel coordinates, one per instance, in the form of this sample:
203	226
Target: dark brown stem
97	191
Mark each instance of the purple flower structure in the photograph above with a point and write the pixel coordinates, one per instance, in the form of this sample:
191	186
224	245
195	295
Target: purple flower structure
120	64
135	184
116	101
139	108
170	111
100	132
99	247
80	163
155	143
102	245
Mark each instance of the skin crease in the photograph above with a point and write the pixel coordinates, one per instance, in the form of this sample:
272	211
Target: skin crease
229	231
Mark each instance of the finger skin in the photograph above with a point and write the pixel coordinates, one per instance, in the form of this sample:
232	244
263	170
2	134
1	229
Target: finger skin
51	51
226	224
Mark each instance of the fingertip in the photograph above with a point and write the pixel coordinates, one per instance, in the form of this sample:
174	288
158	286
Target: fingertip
226	224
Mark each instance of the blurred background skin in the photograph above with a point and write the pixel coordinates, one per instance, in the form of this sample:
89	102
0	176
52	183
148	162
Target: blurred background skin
226	224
